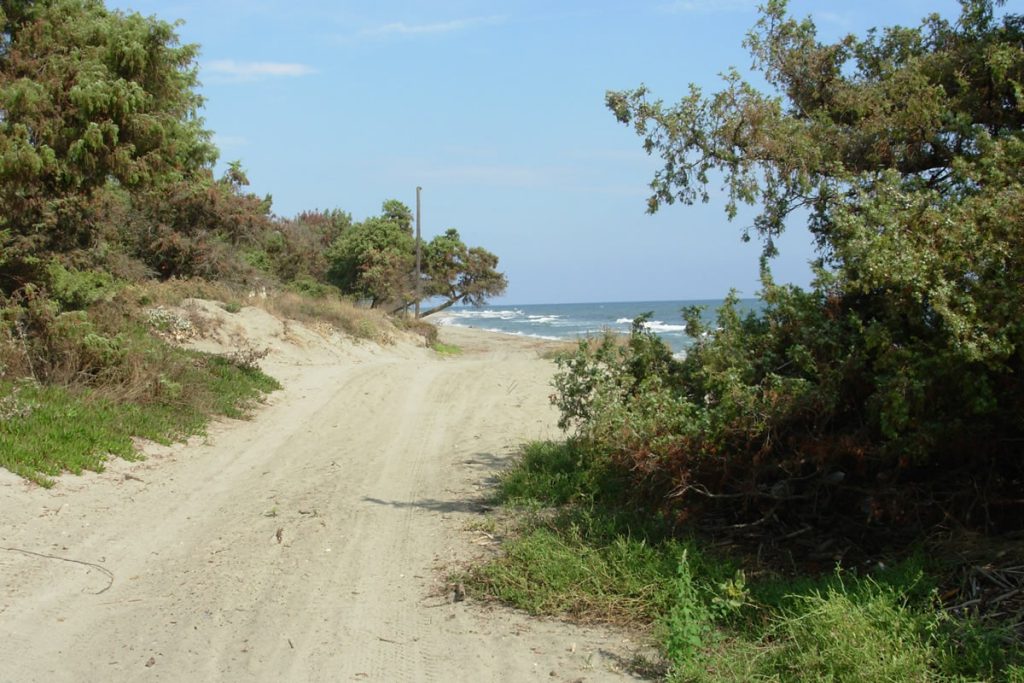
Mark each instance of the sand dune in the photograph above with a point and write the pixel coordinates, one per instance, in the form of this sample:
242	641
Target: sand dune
307	544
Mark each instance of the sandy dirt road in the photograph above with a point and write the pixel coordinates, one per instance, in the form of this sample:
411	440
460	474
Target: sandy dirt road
308	544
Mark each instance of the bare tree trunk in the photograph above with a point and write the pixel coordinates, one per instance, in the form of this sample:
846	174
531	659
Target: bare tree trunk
441	307
402	307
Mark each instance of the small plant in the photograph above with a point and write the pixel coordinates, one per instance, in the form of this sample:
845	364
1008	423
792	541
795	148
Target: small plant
248	358
688	622
446	349
14	406
232	307
168	322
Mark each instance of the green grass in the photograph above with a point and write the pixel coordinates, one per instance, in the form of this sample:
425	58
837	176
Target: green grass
446	349
585	551
47	430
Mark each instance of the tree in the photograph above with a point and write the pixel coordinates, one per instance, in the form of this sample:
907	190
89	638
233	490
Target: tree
460	274
375	258
88	96
196	227
906	150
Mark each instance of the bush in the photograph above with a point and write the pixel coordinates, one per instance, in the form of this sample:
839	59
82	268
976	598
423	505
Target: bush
76	290
864	394
582	548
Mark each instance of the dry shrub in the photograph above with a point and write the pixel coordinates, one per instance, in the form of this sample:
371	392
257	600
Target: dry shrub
362	323
173	292
107	349
247	357
14	361
421	327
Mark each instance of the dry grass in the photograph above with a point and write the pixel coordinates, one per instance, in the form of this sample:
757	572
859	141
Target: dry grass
361	323
339	314
557	350
173	292
421	327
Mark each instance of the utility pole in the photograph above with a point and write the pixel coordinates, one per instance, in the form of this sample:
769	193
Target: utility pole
419	277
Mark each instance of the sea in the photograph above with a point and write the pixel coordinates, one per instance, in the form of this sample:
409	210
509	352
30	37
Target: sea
576	321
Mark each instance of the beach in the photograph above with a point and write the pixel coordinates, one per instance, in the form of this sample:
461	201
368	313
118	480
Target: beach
312	542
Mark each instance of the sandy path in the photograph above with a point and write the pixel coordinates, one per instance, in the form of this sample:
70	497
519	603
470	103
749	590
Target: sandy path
370	463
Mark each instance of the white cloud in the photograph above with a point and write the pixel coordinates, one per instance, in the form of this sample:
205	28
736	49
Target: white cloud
230	70
709	6
401	28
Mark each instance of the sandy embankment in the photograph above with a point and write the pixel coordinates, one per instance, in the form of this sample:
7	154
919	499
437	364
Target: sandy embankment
307	544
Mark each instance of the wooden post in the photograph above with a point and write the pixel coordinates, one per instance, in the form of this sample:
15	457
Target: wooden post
419	276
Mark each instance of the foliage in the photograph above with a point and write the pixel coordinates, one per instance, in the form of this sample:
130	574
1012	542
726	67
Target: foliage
861	396
375	260
88	96
76	290
195	227
76	386
296	249
460	274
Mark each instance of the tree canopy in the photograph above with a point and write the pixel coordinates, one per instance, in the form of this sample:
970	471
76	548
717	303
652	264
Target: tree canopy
88	96
376	260
460	274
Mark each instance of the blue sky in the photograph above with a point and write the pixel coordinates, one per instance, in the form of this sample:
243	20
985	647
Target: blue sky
497	110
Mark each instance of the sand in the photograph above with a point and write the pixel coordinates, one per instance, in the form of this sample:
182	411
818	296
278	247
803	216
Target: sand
309	543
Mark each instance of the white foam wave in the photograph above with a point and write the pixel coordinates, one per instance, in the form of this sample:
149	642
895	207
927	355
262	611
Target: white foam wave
487	314
658	326
654	325
522	334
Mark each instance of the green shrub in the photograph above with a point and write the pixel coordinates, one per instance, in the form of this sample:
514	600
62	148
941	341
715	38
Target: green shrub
307	286
48	430
76	290
596	557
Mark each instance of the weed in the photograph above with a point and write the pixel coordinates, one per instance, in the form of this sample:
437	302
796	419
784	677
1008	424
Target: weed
688	622
446	349
418	326
50	429
247	358
584	549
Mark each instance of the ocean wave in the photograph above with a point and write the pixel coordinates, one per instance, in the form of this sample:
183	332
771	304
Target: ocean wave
658	326
543	319
522	334
654	325
486	314
451	321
